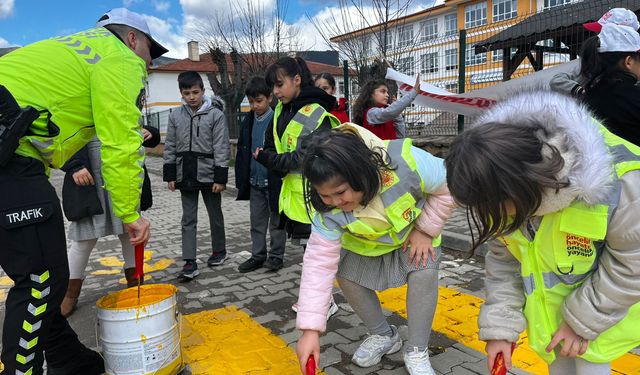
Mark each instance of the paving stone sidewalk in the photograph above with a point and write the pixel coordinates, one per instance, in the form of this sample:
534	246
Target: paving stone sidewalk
266	296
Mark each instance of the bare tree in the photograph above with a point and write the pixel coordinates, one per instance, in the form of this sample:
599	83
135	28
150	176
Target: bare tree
364	33
243	46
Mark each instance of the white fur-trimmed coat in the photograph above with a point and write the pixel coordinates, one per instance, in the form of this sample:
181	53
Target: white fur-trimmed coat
606	295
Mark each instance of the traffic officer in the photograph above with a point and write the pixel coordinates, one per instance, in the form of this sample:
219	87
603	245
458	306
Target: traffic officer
55	96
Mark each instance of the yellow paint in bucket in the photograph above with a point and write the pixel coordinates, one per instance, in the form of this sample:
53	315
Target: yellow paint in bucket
140	337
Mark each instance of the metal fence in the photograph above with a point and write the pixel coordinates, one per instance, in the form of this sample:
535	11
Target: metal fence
499	45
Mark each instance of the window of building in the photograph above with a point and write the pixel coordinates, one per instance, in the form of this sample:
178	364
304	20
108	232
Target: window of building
452	87
451	59
504	9
429	29
366	45
472	58
429	63
499	54
405	36
406	65
451	24
389	39
475	15
554	3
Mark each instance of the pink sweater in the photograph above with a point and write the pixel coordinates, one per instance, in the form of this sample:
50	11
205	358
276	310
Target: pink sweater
320	262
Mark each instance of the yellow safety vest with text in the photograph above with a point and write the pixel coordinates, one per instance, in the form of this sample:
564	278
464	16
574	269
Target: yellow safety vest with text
563	253
305	121
403	198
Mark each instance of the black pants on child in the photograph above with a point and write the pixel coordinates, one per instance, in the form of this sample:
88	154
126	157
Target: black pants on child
33	253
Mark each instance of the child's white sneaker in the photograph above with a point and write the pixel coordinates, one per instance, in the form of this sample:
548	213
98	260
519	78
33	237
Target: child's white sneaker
372	349
417	362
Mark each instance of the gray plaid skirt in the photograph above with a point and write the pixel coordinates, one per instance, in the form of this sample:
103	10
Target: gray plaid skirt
381	272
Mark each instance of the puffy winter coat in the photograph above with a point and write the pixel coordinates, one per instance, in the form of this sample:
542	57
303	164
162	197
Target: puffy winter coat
196	148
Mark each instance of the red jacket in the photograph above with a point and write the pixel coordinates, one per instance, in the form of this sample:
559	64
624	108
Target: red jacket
384	131
340	110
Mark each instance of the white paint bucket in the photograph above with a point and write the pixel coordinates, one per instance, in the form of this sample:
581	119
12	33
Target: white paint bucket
140	337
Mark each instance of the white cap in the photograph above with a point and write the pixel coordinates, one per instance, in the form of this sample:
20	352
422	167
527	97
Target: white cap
618	16
618	38
123	16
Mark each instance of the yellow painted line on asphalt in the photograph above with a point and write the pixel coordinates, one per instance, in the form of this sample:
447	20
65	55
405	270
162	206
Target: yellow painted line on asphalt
457	318
115	266
227	341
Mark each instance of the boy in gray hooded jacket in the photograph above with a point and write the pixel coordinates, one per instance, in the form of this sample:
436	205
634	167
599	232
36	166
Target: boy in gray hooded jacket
196	160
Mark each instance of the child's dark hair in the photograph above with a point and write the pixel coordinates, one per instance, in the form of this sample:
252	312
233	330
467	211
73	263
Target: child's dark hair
188	79
288	67
341	154
597	67
365	99
257	86
494	163
329	77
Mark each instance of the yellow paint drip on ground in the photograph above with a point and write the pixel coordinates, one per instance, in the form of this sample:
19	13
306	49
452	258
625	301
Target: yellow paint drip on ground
227	341
159	265
106	272
111	262
457	318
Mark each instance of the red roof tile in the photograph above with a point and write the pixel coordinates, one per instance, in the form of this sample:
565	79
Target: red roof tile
205	65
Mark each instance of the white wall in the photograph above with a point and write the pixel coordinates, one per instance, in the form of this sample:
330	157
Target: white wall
163	90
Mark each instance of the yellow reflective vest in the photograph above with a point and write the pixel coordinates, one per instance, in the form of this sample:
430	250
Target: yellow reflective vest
305	121
86	83
563	253
403	198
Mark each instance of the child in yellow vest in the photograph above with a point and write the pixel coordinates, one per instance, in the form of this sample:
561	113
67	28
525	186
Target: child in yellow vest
561	195
374	201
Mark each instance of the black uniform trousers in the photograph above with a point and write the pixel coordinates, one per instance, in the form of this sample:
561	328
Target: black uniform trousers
33	253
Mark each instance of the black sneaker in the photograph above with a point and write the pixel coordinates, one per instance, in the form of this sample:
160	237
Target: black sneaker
217	258
273	264
86	362
189	271
249	265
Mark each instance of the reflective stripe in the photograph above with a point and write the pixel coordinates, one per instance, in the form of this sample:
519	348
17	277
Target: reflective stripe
74	44
28	344
621	154
25	359
31	328
29	372
35	311
40	278
404	173
552	279
309	123
35	293
529	284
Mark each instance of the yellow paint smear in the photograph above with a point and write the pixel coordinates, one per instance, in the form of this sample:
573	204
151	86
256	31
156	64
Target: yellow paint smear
227	341
128	298
457	318
159	265
106	272
111	262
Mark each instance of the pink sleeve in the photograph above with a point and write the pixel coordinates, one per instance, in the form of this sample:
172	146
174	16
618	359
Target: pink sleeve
319	268
436	212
